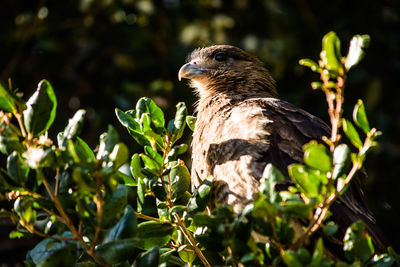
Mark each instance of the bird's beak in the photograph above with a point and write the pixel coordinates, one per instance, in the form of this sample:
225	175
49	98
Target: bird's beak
190	70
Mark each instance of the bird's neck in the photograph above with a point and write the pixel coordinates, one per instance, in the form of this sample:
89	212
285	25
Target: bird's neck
210	98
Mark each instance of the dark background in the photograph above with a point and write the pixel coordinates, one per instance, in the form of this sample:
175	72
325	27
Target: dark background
99	55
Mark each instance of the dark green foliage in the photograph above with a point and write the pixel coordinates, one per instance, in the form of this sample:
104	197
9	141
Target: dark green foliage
91	212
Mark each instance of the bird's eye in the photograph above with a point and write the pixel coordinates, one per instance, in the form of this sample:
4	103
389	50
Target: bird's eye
220	56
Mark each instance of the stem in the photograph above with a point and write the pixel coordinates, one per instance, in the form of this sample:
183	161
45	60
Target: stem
99	206
18	116
68	222
149	218
191	240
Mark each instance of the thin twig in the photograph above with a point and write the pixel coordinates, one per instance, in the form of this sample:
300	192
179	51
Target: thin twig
191	240
68	222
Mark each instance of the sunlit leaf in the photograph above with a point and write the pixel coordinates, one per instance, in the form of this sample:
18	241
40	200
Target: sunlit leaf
201	197
303	180
40	109
341	160
357	245
356	50
177	125
180	177
7	100
271	176
290	258
360	116
136	166
316	156
16	168
73	128
191	122
383	260
330	54
351	133
310	64
119	155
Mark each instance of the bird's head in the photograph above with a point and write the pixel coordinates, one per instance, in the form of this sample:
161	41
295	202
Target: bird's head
228	70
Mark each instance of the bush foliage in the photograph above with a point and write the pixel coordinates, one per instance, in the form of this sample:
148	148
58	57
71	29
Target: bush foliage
93	208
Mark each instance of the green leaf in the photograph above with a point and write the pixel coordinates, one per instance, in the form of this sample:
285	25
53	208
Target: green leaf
116	251
151	164
85	182
114	206
351	133
50	252
153	154
80	152
9	139
141	190
310	64
108	141
357	245
360	117
119	155
40	109
136	166
341	160
148	259
177	125
263	208
175	151
180	179
330	228
127	120
187	256
168	259
383	260
394	255
191	122
152	233
73	128
316	156
16	168
316	85
330	54
356	50
125	228
271	176
24	208
146	105
66	256
290	258
7	100
303	179
303	256
318	255
297	209
201	197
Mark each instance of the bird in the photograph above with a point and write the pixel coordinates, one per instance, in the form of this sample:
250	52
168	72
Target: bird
242	126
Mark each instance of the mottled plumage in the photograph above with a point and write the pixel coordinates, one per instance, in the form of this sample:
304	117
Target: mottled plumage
241	126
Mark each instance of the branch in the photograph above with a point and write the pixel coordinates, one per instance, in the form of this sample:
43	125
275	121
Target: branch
191	240
68	222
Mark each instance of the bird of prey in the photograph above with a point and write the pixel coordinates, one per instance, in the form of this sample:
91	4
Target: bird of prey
242	126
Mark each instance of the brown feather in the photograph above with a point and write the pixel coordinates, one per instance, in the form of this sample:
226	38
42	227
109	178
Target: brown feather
241	126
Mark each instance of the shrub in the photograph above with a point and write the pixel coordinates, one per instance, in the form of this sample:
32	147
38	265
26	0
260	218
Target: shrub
91	212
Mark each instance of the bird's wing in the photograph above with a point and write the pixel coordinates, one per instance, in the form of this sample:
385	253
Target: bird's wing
293	127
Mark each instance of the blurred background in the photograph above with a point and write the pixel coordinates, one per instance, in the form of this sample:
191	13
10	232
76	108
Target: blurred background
103	54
